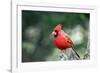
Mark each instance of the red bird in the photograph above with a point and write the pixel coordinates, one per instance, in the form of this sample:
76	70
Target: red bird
64	43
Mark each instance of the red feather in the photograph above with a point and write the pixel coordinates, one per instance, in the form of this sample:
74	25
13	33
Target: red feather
62	41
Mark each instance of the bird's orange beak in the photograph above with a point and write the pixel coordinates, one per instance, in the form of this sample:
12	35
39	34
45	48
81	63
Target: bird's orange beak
53	33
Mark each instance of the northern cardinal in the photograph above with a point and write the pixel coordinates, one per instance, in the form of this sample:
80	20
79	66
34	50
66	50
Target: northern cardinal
64	43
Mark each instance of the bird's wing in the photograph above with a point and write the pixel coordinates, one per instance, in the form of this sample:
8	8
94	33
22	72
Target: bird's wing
67	37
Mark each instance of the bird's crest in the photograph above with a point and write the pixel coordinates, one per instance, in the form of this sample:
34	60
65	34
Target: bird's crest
58	27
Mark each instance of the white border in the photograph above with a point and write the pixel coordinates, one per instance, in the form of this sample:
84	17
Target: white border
18	66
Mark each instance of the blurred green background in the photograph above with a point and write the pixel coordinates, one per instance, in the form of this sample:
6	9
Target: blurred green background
37	43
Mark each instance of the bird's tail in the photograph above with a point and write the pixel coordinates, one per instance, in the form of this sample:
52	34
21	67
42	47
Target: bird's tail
70	54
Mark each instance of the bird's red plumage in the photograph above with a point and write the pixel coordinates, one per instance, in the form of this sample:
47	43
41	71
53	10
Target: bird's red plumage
62	41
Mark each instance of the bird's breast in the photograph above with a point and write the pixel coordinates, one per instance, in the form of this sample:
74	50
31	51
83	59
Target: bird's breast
62	42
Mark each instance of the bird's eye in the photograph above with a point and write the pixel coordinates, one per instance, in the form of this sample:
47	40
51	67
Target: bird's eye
55	30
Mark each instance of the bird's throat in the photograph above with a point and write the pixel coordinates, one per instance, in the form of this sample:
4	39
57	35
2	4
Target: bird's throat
55	35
